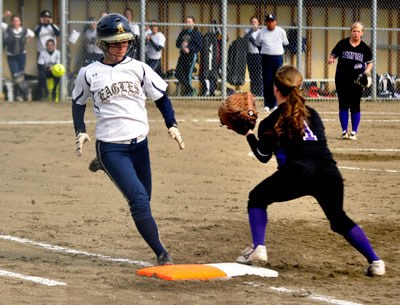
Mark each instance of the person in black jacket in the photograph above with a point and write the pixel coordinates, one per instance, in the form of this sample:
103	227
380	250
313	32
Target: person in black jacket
189	42
294	133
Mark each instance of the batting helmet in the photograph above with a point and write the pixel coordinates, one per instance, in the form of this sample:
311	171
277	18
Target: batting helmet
112	28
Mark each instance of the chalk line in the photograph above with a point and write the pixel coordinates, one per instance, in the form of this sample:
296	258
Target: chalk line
35	279
369	169
368	149
75	252
316	297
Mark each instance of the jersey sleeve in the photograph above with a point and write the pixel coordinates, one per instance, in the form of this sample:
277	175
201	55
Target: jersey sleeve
285	40
154	86
81	91
336	50
41	58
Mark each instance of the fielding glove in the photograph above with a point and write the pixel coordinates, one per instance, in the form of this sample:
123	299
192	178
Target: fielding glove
81	138
175	134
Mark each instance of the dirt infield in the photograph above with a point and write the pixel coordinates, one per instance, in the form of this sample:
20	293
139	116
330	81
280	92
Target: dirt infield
48	196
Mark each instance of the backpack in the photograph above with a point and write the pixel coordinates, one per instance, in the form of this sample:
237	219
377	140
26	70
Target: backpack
386	85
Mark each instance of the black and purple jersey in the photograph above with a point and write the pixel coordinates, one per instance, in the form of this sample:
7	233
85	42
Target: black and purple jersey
303	150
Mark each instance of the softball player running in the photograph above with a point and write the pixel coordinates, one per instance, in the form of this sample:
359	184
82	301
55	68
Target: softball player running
295	134
119	86
354	57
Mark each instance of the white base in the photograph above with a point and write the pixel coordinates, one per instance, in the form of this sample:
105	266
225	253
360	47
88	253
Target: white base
236	269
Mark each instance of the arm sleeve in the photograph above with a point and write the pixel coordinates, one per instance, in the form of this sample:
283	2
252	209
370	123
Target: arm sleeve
56	30
155	46
78	114
36	30
165	106
80	94
178	42
285	41
254	145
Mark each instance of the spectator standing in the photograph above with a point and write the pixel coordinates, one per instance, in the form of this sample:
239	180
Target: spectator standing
354	57
134	51
45	30
155	42
271	41
254	58
189	42
47	59
93	53
15	38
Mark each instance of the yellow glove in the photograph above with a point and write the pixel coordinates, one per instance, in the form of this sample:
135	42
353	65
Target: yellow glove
175	134
81	138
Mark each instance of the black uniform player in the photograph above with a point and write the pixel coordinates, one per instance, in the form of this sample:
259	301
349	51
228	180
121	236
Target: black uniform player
295	134
354	58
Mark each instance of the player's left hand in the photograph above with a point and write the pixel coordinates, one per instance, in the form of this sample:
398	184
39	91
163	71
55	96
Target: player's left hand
175	134
81	138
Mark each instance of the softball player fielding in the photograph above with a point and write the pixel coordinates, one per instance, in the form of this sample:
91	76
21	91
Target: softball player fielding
119	87
295	133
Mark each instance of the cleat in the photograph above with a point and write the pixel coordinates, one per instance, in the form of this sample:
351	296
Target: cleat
353	136
375	268
345	136
95	165
250	255
164	259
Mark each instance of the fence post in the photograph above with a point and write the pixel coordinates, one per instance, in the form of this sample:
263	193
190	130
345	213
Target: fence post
373	47
63	80
1	51
224	50
299	34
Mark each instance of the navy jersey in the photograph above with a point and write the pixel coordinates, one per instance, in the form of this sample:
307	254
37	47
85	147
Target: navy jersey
306	150
352	61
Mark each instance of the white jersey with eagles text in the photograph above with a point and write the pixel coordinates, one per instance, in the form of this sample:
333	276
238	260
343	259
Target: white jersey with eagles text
119	93
47	59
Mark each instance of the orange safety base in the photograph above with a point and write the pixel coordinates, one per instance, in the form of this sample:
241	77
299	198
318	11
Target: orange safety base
183	272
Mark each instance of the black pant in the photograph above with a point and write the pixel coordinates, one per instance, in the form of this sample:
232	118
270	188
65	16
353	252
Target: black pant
255	73
321	181
43	90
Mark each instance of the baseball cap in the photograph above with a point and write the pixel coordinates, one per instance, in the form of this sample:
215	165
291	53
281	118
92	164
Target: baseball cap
45	13
270	17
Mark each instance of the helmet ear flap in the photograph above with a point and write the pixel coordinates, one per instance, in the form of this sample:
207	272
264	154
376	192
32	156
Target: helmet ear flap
102	45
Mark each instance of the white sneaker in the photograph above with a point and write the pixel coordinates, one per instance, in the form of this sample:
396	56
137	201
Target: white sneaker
250	255
353	136
345	135
266	109
375	268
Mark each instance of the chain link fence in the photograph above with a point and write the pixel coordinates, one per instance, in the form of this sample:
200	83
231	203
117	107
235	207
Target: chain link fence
227	59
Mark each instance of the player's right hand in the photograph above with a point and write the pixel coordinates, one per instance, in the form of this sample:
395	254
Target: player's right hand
81	138
175	134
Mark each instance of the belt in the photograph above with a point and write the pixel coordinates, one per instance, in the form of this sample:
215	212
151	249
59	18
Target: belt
131	141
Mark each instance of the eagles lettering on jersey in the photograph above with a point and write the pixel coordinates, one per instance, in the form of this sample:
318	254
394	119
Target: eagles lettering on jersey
124	88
